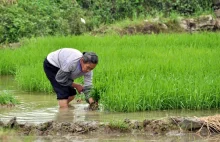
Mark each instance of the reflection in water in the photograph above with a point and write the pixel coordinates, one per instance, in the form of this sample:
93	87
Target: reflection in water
123	137
39	107
65	115
77	112
34	116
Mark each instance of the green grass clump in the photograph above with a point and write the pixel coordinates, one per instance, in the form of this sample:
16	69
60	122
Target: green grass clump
119	125
7	98
135	73
8	135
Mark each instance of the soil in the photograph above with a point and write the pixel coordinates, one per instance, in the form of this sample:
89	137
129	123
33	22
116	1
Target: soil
157	25
153	127
142	28
7	105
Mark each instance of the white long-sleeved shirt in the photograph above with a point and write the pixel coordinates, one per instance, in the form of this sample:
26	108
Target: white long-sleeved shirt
68	62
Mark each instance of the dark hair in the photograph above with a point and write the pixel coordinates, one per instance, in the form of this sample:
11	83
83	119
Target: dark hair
90	57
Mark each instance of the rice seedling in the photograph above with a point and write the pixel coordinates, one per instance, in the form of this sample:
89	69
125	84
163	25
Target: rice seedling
7	98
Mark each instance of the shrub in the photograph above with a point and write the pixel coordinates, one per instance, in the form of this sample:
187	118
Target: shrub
39	18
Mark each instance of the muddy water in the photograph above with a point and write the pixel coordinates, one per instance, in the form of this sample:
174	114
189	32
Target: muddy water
131	138
38	107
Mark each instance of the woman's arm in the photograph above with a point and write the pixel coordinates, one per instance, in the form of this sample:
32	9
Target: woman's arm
63	78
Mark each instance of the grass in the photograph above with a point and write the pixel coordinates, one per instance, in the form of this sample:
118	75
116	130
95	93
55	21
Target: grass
172	21
7	135
119	125
7	98
135	73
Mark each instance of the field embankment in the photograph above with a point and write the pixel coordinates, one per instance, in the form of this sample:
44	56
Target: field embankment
204	126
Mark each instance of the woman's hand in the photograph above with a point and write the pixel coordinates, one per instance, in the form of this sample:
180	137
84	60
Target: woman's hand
78	87
91	100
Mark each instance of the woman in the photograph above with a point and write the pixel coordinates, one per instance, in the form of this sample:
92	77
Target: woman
63	66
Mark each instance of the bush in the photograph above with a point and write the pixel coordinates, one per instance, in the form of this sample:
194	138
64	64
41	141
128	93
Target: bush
30	18
110	11
185	7
39	18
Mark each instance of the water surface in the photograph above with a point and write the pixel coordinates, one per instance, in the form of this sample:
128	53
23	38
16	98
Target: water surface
40	107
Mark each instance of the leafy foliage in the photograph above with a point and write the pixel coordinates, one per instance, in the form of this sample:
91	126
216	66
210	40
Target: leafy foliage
108	11
30	18
39	18
185	7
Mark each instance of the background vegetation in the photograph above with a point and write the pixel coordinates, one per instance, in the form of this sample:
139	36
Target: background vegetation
31	18
135	73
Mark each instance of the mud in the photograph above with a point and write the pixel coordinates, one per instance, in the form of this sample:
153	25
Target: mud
164	126
158	25
7	105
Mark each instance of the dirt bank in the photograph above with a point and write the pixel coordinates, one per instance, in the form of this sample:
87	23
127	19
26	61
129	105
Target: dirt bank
162	25
204	126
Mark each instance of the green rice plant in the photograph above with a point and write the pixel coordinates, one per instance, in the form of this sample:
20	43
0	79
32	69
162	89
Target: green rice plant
135	73
7	98
33	78
8	64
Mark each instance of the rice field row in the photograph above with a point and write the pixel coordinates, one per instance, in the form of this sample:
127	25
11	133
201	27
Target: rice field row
135	73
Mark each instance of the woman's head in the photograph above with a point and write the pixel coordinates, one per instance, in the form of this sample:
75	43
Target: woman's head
88	61
90	57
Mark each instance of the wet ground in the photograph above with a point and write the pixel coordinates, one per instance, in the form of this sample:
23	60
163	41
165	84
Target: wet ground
118	138
37	108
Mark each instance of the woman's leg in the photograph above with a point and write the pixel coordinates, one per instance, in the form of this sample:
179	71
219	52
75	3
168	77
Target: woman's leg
63	92
72	93
70	99
63	103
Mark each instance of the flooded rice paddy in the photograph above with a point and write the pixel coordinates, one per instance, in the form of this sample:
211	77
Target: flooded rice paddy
37	108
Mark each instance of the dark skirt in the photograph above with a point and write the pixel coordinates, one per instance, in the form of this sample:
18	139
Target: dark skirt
63	92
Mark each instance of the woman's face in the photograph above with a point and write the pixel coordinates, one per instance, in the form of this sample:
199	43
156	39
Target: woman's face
87	67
